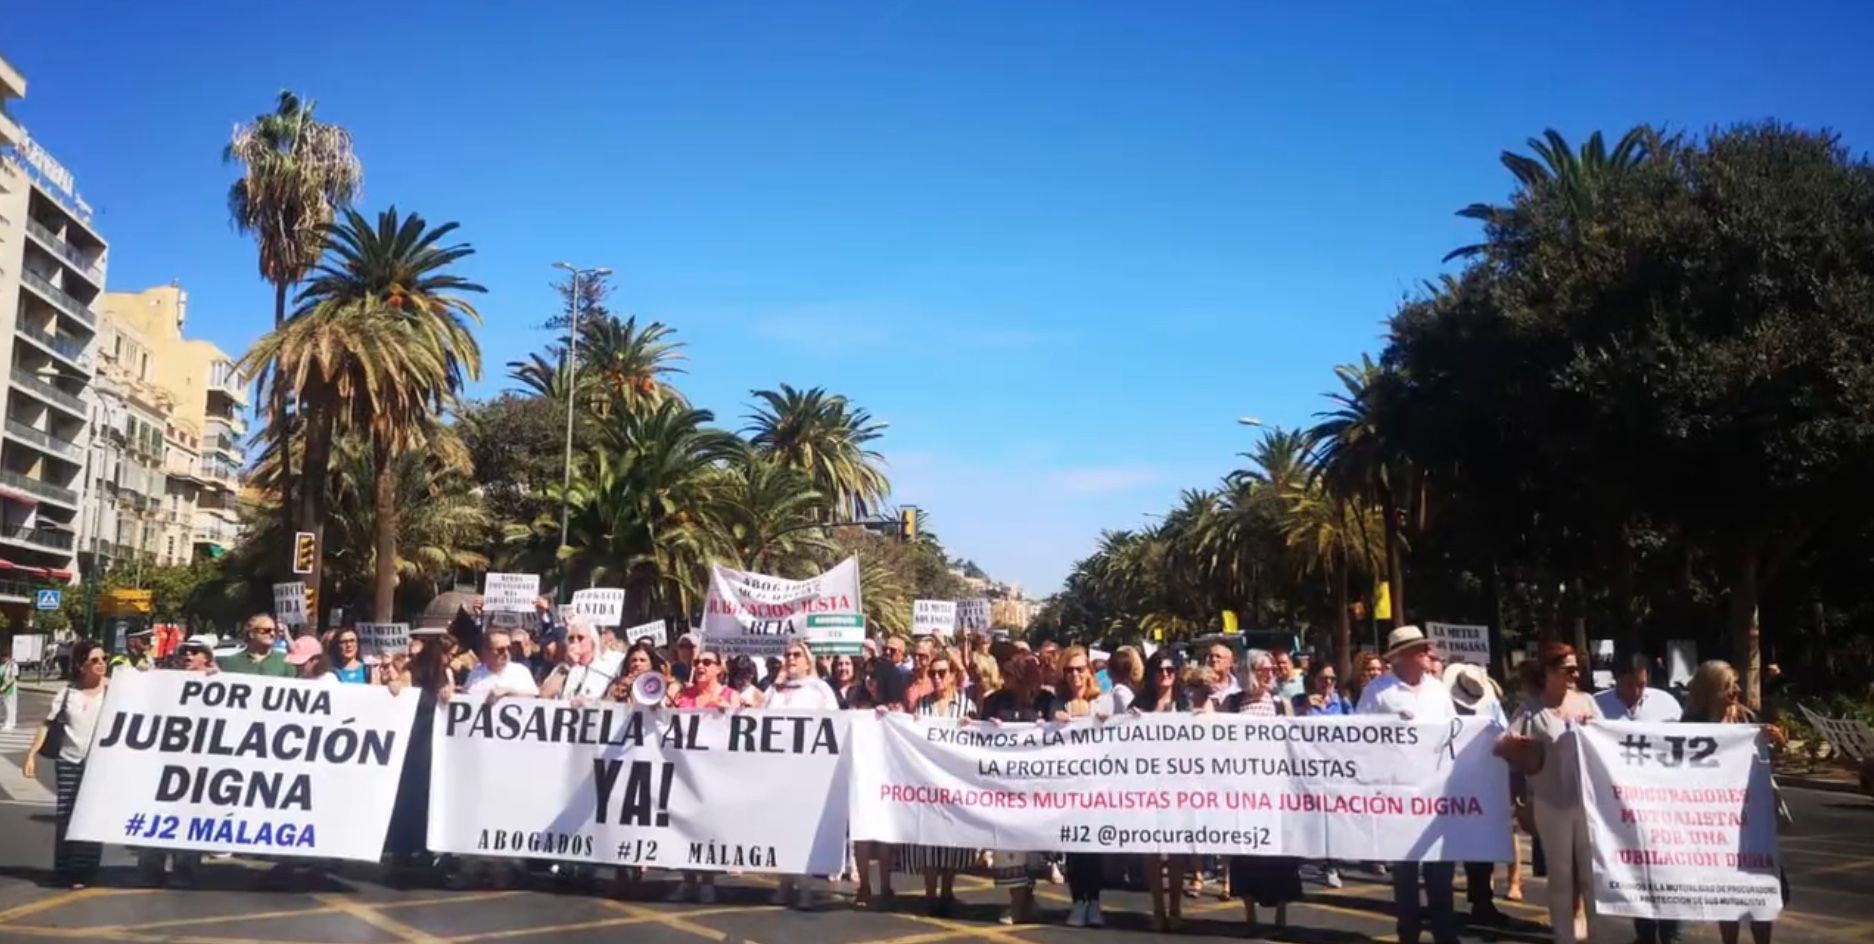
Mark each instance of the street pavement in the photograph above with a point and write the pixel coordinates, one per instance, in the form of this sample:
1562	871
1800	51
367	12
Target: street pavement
1830	854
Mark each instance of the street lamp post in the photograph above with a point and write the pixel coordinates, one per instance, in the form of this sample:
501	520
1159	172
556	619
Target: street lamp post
572	367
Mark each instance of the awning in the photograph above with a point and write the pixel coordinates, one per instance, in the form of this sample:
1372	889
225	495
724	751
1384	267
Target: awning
56	574
13	494
9	566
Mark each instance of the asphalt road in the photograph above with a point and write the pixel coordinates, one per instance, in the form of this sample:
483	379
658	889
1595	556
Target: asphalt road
1830	855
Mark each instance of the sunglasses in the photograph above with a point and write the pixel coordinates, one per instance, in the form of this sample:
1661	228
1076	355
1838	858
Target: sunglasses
1076	668
1167	670
95	660
939	673
707	662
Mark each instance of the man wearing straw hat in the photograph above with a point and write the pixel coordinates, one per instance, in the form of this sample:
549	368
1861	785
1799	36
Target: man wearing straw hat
1413	692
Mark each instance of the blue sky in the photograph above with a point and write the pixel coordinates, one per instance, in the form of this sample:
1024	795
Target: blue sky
1058	246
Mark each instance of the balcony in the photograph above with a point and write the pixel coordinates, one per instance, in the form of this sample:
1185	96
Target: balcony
222	443
221	536
221	474
66	251
44	442
58	297
17	591
72	351
28	381
39	489
43	538
227	383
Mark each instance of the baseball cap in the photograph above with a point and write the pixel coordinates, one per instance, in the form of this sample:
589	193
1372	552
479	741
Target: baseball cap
303	650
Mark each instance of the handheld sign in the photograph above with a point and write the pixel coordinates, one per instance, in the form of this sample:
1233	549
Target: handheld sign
933	618
1457	643
289	603
383	639
601	606
510	593
654	631
973	615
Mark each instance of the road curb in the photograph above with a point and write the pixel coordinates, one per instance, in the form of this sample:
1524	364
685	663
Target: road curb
1819	783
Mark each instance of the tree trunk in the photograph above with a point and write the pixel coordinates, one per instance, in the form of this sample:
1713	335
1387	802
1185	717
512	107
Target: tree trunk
1627	627
384	524
1743	623
1343	623
283	431
313	503
1578	592
1499	650
1395	565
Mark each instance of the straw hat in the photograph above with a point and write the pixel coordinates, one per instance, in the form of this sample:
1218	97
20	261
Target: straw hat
1470	685
1404	638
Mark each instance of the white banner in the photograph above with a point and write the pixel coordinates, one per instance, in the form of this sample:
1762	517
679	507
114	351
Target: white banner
383	639
245	764
756	615
933	618
1458	643
601	606
1374	789
510	593
1682	821
614	784
653	630
289	603
973	616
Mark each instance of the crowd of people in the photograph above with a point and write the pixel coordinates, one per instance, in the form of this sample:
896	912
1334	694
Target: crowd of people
995	680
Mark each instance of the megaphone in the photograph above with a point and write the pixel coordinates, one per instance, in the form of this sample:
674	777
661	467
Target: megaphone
648	690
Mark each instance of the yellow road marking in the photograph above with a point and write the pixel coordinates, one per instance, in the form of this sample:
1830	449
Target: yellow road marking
382	922
673	921
132	937
927	937
993	934
65	898
601	923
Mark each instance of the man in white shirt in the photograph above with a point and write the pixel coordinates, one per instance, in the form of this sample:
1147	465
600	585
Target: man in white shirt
1221	659
1410	691
1631	700
497	674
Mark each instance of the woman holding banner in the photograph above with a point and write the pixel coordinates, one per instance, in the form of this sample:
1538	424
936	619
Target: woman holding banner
1540	749
1713	698
1021	699
1270	881
74	717
798	689
940	864
1082	699
883	690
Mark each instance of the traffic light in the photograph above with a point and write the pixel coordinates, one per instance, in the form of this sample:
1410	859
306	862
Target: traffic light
312	606
907	523
305	552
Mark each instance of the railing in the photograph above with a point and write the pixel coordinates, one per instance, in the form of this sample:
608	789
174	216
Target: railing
71	350
17	588
218	471
33	486
65	302
222	536
63	448
66	250
45	391
223	443
44	537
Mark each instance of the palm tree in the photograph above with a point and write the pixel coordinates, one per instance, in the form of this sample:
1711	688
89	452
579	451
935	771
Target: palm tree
295	171
1577	177
401	268
771	513
1332	535
824	436
625	364
440	522
1358	457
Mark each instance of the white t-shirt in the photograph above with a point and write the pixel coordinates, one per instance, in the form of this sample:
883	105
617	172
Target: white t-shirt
592	681
513	679
808	694
1654	705
1429	700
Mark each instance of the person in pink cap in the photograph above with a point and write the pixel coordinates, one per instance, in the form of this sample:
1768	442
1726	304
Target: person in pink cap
308	657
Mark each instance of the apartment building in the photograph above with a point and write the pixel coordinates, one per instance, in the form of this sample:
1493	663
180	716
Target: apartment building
52	264
126	488
202	423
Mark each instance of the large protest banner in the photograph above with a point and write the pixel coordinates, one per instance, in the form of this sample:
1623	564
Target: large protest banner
756	615
1682	819
244	763
1346	788
616	784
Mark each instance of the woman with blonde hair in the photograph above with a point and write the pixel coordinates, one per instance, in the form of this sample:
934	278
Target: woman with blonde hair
940	864
1271	881
1714	698
1126	671
1021	699
985	677
1080	699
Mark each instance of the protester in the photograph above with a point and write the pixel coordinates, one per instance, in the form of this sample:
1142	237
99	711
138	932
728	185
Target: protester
1021	699
1411	692
1269	881
1125	675
683	656
883	690
1714	698
497	675
798	689
1540	749
896	653
73	718
985	677
259	658
1220	658
705	689
307	658
136	652
585	673
1289	684
346	661
1163	691
940	864
9	688
919	680
1366	666
1081	698
1475	693
742	682
408	838
1631	700
843	677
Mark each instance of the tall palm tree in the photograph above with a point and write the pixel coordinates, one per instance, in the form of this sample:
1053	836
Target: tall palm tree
1358	456
1332	535
825	436
1577	176
626	365
770	512
401	268
295	172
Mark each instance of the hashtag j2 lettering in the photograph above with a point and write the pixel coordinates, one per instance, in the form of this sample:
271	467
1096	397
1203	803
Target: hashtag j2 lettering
1636	750
220	831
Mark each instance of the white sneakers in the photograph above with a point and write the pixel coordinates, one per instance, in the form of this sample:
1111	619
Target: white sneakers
1331	878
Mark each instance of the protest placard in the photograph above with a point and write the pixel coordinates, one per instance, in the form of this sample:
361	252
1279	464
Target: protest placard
757	615
1459	643
1367	788
510	593
933	618
1681	820
383	639
244	764
289	603
603	607
611	783
973	616
654	631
